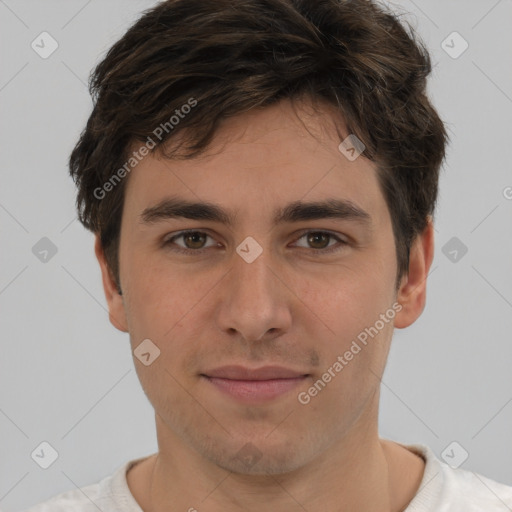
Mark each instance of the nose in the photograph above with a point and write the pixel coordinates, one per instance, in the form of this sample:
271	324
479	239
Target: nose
254	300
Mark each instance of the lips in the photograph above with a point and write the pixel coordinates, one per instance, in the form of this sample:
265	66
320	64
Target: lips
254	385
264	373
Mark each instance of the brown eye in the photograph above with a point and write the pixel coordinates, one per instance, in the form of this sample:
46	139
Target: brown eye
193	242
319	240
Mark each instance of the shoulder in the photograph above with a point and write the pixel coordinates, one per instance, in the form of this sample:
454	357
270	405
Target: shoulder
79	500
444	488
110	494
474	492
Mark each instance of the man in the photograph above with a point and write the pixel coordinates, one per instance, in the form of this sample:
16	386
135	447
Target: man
261	177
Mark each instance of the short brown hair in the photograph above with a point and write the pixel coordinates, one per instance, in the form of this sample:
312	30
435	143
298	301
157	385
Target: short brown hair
231	56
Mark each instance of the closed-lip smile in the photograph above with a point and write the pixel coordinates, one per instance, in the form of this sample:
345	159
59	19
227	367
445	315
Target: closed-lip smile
254	384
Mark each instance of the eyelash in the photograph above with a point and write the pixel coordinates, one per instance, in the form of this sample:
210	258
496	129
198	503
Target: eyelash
181	234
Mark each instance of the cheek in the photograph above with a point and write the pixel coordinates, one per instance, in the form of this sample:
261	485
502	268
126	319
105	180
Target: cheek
350	374
169	308
346	300
348	309
159	295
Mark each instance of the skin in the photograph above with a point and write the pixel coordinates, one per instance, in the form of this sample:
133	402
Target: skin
287	307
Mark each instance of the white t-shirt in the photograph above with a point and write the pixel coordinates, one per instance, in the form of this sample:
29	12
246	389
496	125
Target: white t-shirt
442	489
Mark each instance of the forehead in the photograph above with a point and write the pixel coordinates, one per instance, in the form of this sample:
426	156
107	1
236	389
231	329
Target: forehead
261	160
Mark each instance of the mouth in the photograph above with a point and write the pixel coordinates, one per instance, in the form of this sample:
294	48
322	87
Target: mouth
254	385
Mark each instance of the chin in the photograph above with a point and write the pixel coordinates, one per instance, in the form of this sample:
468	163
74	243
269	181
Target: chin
253	456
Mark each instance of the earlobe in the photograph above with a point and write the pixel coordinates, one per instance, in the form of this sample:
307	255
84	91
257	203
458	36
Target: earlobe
113	296
413	288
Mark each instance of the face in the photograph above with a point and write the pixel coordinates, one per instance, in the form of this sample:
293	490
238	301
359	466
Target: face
272	333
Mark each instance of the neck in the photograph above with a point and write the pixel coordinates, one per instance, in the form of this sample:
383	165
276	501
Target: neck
359	472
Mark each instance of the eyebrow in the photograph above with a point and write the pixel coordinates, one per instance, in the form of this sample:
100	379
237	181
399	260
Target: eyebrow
296	211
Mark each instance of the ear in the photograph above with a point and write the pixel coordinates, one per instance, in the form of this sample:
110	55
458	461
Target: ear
116	311
413	288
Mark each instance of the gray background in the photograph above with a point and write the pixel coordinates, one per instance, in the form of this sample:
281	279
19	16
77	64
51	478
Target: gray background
67	376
